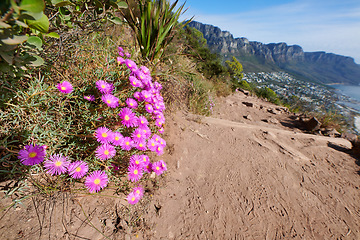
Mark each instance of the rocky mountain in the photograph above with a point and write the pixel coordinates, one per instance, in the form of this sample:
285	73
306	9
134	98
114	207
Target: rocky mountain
319	67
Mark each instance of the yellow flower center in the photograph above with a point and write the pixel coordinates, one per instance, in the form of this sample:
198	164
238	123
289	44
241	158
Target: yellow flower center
157	168
136	172
97	181
127	143
104	135
126	117
134	82
63	88
142	122
140	145
138	135
133	199
108	101
106	152
78	169
32	154
153	144
131	104
138	191
137	162
117	138
144	159
58	163
146	96
102	86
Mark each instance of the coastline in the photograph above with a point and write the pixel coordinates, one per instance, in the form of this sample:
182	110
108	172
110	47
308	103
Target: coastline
357	123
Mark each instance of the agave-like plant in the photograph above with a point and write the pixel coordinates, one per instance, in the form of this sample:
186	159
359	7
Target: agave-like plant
153	22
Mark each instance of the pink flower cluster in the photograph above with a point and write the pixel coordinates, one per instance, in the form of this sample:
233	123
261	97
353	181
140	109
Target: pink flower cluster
58	164
141	113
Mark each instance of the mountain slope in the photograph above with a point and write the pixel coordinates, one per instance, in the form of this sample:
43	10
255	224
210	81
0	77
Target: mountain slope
320	67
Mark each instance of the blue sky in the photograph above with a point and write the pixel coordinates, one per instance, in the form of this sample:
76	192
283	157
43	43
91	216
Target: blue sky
316	25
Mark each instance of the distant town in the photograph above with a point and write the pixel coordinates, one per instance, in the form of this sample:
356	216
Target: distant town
316	97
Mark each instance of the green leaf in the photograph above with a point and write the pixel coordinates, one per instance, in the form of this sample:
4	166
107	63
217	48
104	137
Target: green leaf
35	41
52	35
4	25
41	25
116	20
17	39
122	5
35	6
37	62
22	24
8	57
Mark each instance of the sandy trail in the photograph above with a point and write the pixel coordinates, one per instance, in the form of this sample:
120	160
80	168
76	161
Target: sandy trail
235	180
246	172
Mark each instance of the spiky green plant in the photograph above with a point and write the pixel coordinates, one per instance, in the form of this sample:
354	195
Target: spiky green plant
153	22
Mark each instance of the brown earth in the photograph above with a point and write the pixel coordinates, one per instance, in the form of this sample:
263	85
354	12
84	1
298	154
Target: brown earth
247	172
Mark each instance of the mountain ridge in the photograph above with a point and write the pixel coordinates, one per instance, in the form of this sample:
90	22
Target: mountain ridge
319	66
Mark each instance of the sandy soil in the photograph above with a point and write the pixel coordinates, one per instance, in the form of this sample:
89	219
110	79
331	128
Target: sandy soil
246	172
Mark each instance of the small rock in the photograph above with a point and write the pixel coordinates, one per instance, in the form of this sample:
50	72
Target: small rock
247	93
248	104
311	124
248	117
331	132
152	175
273	111
349	136
273	121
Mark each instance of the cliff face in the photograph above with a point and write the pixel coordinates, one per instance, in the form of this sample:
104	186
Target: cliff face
255	56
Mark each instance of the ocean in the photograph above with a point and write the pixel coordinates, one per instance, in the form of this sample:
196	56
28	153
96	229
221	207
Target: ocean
354	93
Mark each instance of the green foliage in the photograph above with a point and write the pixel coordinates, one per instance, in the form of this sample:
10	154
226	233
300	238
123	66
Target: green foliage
153	22
236	70
24	24
268	94
207	63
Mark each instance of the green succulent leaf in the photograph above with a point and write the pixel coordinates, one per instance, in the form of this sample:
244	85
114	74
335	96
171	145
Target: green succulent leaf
7	56
17	39
116	20
35	41
34	6
4	25
41	25
122	5
37	62
22	24
52	35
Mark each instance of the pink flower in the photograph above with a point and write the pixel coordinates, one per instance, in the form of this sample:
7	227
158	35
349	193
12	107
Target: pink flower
104	87
159	122
137	161
135	82
141	145
65	87
96	181
163	165
161	130
120	60
152	145
110	100
143	122
132	103
117	139
32	154
149	108
146	130
148	167
105	151
131	65
128	117
138	135
56	165
104	135
127	144
90	98
139	191
146	96
145	70
135	173
133	198
159	150
78	169
157	168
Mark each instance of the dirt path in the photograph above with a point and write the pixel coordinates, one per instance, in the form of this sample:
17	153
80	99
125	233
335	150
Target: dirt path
244	173
233	180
